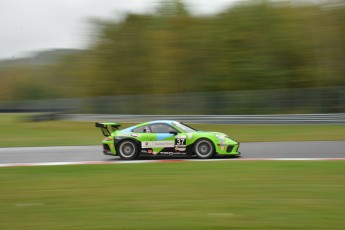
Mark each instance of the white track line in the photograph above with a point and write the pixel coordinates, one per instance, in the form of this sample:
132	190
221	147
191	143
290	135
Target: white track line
162	161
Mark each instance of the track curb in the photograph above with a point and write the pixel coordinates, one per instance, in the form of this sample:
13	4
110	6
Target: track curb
162	161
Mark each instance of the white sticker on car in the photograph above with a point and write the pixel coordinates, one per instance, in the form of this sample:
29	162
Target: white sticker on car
157	144
181	141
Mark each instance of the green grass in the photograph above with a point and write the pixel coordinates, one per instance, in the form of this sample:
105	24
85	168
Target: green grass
16	131
189	195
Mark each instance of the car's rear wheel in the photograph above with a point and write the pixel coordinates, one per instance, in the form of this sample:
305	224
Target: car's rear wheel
204	148
128	150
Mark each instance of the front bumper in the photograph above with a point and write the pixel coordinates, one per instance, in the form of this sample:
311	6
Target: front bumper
228	148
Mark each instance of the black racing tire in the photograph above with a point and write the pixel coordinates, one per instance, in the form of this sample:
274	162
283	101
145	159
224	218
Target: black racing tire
204	148
128	150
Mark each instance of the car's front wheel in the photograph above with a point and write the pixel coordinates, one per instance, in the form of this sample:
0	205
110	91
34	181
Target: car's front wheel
128	150
204	148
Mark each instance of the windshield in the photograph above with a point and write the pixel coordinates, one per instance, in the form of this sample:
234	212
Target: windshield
183	127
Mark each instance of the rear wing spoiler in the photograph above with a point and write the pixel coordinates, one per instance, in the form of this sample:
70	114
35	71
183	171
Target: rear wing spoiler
108	127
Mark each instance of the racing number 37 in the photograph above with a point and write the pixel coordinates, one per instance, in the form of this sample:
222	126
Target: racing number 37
180	141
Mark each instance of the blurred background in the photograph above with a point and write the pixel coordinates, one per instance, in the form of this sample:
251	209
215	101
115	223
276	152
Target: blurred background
250	57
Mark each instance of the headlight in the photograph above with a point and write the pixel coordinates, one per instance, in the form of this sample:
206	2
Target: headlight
220	137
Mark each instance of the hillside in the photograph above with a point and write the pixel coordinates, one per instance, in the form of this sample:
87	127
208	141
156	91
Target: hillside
39	58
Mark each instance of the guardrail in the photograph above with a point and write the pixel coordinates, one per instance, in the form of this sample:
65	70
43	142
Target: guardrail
334	118
250	102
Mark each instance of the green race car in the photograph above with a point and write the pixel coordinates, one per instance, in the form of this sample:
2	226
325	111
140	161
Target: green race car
164	138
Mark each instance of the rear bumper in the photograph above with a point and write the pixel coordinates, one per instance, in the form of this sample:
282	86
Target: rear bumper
108	153
109	149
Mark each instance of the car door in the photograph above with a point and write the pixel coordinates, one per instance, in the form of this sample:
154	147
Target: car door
165	141
146	138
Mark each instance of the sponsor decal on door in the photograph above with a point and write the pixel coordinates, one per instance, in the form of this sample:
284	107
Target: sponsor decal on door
158	144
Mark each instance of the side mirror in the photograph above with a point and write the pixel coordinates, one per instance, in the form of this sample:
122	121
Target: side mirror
173	132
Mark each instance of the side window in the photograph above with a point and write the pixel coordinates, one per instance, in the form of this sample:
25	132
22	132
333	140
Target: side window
141	129
162	128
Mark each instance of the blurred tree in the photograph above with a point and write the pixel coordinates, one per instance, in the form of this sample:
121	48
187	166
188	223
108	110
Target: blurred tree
252	45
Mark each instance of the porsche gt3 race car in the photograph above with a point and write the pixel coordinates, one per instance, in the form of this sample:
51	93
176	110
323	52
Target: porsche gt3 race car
164	138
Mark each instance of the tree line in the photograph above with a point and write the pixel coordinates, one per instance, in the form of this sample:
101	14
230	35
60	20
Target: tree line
250	45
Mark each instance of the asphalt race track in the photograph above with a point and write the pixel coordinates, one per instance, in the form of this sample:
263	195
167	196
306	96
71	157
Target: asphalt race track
250	151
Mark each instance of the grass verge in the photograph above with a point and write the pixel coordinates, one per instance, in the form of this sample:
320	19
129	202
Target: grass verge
16	131
189	195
